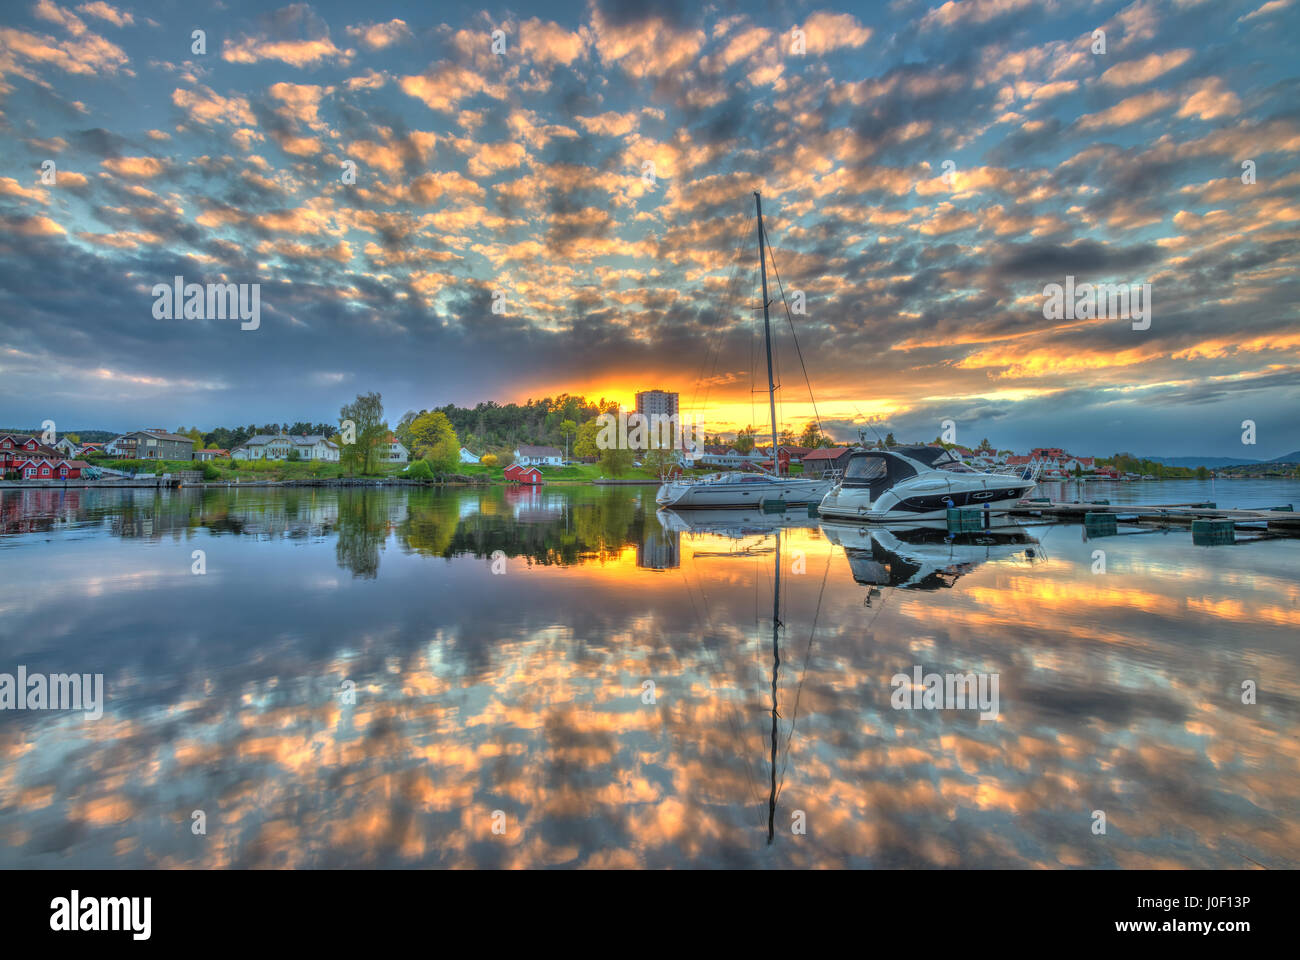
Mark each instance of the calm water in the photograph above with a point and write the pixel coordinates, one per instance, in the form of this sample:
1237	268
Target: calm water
521	690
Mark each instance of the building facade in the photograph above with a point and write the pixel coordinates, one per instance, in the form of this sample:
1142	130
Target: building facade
530	455
266	447
154	444
656	402
393	450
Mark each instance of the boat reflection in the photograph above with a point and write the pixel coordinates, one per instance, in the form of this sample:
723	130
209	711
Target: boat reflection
926	556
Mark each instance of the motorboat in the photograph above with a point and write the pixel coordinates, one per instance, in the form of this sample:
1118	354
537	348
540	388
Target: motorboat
926	556
741	490
918	483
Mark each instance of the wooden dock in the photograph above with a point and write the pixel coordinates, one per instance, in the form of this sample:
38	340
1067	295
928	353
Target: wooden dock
1280	520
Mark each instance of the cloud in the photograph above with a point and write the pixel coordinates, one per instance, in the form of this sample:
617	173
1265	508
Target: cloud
1146	69
204	106
118	18
377	36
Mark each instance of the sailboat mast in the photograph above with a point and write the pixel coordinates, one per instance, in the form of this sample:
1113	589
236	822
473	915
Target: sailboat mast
767	333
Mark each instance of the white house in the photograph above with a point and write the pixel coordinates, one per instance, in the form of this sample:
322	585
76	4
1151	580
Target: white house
531	456
266	447
467	457
394	451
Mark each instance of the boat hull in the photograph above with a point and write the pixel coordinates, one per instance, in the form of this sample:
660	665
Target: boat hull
901	504
686	495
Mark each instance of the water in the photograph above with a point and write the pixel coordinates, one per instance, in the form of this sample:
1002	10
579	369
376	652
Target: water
517	698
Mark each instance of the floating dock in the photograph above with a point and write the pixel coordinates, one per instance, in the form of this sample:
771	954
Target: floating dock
1202	517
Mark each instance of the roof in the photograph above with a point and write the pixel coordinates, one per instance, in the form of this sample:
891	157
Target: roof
526	468
826	453
79	464
528	450
161	435
922	454
301	439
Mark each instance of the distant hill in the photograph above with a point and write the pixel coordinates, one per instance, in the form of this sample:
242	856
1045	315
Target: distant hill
1194	462
87	436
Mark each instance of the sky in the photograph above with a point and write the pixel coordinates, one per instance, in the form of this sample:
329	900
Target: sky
443	221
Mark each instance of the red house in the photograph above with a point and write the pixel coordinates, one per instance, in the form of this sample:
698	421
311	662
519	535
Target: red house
17	448
36	469
516	473
70	469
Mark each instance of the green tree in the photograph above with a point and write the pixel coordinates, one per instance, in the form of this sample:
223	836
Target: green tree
367	416
1202	473
660	461
615	462
567	429
744	440
434	439
890	441
586	444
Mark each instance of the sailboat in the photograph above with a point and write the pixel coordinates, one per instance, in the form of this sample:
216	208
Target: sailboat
748	489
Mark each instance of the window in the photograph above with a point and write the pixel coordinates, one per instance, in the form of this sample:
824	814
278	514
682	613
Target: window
866	468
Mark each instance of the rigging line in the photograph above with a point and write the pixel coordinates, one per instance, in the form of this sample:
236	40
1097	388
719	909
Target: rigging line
803	672
790	321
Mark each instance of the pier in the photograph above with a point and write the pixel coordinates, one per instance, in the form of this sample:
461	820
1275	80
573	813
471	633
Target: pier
1282	520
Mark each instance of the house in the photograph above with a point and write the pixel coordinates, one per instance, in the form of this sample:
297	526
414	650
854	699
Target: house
153	444
720	455
66	447
88	448
518	473
214	453
15	448
467	457
528	454
37	468
264	446
393	450
824	460
71	469
788	452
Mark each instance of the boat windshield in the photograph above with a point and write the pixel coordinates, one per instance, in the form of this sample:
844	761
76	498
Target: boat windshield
866	468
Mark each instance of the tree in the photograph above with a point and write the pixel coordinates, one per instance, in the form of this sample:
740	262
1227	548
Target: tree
660	460
1202	473
72	438
567	429
812	436
890	441
367	416
434	439
488	460
586	445
614	462
744	441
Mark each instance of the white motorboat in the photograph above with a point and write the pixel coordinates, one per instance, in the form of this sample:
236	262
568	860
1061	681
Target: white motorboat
917	483
741	490
921	556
